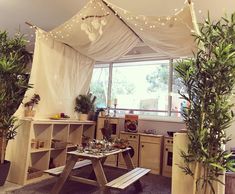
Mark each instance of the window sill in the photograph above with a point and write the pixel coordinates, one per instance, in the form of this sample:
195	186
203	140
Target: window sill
161	119
157	118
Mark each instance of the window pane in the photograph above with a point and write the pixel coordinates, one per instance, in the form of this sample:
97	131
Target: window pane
99	84
177	102
141	85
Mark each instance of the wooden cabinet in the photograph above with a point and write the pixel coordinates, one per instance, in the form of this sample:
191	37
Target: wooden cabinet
33	148
133	139
150	153
167	157
113	125
111	160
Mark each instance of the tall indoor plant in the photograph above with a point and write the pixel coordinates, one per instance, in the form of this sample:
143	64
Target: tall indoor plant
209	79
13	84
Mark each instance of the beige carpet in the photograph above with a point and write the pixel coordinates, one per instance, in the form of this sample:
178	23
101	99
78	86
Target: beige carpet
152	184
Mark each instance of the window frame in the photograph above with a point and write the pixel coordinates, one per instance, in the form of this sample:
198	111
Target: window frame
168	112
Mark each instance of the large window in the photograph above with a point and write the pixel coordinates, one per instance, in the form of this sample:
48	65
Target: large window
99	84
146	87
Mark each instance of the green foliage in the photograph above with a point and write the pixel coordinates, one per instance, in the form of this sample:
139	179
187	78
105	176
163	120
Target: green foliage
158	79
34	100
119	87
84	103
209	79
13	80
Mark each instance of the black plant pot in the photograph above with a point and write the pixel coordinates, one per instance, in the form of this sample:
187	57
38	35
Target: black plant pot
4	169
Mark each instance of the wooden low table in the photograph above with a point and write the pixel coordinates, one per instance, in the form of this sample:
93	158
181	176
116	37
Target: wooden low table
97	161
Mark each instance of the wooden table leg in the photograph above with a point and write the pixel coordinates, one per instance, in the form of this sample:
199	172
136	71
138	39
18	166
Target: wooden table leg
100	175
130	165
64	175
92	174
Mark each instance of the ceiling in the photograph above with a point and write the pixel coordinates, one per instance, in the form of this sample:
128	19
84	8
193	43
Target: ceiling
47	14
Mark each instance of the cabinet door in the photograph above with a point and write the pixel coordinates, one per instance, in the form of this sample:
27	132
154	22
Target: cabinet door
150	156
133	153
167	161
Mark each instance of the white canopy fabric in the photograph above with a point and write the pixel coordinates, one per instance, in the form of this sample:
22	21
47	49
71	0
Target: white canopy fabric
115	41
170	35
64	57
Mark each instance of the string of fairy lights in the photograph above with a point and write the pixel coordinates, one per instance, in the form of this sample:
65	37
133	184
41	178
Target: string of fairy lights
93	24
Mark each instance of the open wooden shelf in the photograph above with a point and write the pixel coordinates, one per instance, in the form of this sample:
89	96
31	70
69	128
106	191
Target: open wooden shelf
35	140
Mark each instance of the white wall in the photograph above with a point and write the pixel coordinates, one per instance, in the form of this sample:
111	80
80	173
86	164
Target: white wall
161	126
231	131
217	8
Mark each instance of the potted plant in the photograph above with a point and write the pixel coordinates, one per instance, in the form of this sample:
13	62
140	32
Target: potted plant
209	82
13	84
84	104
30	112
101	111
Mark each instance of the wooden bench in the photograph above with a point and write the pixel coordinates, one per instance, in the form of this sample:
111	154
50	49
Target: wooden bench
125	180
58	170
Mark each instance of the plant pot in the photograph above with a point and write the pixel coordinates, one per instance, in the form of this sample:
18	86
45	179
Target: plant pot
29	113
83	117
102	113
4	169
91	116
184	185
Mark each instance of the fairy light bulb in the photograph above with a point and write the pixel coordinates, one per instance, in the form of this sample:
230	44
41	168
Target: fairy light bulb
92	37
95	23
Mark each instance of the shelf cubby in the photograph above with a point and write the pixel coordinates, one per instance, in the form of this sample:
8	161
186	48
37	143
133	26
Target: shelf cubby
59	157
42	132
75	134
60	132
88	130
39	160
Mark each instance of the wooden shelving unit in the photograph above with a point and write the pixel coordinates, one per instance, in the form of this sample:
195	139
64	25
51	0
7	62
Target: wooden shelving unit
24	153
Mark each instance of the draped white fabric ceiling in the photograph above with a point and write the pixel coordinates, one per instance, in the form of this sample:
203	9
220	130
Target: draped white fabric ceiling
64	57
168	35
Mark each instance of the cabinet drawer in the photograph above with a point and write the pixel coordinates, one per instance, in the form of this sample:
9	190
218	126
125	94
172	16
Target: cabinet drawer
150	139
111	120
133	137
168	141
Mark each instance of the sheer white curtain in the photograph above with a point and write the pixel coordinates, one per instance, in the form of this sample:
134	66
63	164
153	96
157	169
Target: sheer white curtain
59	74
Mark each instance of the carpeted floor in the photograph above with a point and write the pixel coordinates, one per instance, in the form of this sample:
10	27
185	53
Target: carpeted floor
152	184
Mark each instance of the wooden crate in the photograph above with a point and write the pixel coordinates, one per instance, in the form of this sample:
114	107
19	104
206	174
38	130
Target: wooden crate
33	173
